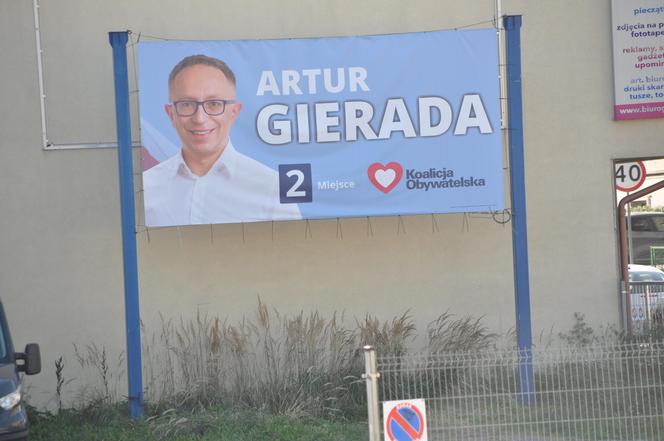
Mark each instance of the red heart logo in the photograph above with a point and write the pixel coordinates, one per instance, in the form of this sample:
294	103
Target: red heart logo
385	177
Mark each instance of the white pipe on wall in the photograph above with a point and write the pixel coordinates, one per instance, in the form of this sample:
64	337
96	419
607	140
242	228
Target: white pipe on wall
46	144
40	74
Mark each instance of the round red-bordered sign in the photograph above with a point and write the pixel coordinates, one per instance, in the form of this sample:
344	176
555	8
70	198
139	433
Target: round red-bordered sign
405	423
630	175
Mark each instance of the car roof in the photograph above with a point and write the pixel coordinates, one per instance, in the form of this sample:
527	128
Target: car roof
646	213
643	268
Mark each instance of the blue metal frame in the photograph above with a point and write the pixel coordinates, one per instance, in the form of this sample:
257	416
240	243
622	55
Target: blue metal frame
512	25
118	41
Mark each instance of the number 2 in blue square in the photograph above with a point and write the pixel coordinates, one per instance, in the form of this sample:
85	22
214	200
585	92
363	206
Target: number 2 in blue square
295	183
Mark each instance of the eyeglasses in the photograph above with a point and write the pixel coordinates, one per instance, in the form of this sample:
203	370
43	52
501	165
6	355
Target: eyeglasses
211	107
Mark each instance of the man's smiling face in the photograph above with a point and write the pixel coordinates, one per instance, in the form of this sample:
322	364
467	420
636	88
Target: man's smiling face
203	136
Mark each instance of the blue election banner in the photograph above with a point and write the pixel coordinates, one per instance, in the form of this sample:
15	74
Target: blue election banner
320	128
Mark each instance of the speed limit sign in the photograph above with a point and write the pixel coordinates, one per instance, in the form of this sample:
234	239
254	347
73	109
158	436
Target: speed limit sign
630	175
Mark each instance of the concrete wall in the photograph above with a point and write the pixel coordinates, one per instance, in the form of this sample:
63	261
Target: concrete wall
60	247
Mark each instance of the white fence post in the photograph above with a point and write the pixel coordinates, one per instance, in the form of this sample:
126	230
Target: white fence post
371	376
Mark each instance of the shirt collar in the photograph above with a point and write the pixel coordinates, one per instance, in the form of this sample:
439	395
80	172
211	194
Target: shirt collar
225	164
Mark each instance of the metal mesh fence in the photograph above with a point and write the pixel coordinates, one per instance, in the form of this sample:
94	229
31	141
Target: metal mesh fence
647	306
597	393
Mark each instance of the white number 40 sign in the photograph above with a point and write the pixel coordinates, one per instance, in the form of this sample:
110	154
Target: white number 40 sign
630	175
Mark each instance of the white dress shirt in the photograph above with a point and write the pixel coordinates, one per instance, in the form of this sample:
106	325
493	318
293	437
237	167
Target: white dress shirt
236	189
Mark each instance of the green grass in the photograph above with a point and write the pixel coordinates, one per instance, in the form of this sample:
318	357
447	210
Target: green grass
112	424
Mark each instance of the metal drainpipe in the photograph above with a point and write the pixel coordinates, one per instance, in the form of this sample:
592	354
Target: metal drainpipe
624	249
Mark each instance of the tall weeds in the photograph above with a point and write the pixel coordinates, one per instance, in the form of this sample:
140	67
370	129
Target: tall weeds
304	364
300	365
450	334
387	337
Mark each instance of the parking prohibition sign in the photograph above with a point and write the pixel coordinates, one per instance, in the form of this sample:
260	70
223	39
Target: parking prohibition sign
405	420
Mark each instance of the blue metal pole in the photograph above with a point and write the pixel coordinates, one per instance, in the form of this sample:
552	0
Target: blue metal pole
518	193
118	42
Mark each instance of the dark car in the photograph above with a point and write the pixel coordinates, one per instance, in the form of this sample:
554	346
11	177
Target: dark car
647	231
13	418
